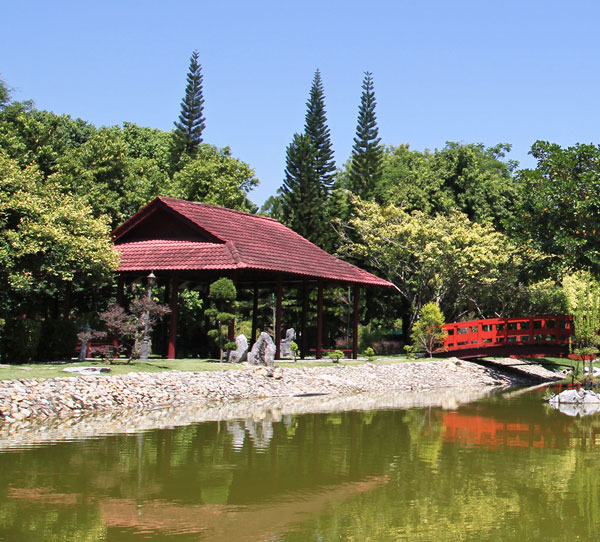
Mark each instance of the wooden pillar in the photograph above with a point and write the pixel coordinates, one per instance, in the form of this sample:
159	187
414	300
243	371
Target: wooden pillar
173	323
356	294
278	317
304	338
121	290
254	315
319	347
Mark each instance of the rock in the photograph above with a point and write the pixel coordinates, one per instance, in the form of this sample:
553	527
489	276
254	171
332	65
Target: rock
241	351
290	335
87	370
263	351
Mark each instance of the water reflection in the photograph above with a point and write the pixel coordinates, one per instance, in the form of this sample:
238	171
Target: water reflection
500	469
34	432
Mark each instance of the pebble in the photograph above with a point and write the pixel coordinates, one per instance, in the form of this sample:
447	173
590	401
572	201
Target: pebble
34	398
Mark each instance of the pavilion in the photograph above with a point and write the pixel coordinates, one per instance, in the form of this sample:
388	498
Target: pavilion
180	242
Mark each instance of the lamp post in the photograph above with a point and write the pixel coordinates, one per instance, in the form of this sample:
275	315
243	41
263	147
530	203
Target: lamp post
145	346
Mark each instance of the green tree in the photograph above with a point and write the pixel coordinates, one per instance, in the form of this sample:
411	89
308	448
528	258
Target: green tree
469	178
29	135
427	331
367	153
315	127
582	292
300	193
465	267
560	205
222	295
190	126
215	177
54	255
4	94
309	174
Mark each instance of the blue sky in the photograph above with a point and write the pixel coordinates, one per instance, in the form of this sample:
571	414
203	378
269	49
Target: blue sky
468	71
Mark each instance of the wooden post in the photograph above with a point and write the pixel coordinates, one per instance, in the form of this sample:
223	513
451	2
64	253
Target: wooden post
121	290
173	323
278	317
254	316
356	293
319	351
304	338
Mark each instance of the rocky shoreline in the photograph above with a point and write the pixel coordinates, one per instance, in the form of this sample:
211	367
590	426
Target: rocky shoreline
26	399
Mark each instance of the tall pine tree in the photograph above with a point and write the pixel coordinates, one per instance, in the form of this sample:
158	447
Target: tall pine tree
367	153
189	128
300	193
316	128
309	174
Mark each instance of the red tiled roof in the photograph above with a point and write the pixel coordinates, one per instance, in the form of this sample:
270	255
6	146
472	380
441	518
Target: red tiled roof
247	242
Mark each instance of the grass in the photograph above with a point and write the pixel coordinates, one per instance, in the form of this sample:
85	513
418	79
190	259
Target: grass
56	369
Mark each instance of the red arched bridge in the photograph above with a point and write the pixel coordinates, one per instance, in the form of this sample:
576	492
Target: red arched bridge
547	335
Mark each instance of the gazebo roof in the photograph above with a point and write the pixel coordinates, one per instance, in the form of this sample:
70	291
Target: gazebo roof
170	234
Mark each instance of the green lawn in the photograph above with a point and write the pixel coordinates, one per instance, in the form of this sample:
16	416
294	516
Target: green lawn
52	370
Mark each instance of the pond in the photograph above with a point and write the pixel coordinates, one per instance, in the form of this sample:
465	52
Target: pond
504	467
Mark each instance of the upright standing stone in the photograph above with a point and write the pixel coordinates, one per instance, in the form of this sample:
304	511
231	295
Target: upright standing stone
263	351
241	350
290	335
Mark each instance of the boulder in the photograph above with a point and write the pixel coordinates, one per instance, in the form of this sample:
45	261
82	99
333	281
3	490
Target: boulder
290	335
263	351
241	350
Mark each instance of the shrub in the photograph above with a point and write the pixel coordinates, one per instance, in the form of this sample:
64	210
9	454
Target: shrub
336	356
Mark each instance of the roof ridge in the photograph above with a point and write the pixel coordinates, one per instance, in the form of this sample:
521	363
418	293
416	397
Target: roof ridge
167	199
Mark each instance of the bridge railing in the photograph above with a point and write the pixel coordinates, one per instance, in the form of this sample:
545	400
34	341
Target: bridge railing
508	331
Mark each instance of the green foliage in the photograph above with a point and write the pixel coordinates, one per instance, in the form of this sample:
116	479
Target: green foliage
4	94
427	332
215	177
469	178
315	127
559	212
31	136
369	352
301	201
189	128
222	296
463	266
294	349
336	355
49	244
367	153
368	335
582	292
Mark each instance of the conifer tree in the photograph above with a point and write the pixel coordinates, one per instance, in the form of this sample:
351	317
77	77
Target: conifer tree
189	128
316	128
367	153
300	194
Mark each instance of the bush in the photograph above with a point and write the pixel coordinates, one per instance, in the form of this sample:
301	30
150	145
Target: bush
336	356
20	340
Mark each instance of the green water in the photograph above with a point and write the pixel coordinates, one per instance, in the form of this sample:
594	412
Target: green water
503	468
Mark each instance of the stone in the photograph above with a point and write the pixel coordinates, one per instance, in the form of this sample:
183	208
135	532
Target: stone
241	351
263	351
87	370
284	344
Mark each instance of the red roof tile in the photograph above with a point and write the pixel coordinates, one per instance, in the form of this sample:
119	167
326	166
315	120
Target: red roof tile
248	241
